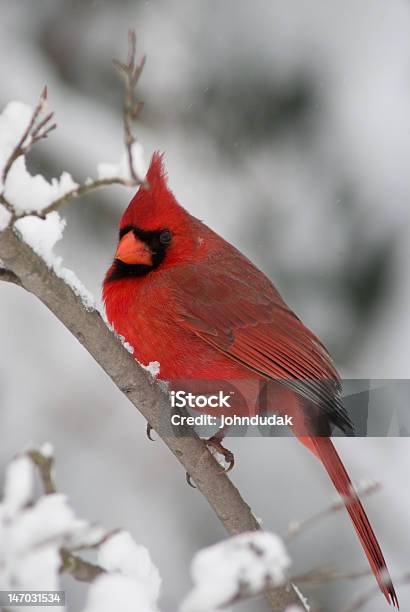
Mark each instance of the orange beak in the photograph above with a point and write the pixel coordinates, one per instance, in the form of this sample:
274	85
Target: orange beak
132	250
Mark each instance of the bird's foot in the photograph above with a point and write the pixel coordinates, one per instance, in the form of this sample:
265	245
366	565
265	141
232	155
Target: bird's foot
149	429
215	444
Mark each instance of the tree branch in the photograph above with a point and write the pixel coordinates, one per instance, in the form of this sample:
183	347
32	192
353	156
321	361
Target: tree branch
137	385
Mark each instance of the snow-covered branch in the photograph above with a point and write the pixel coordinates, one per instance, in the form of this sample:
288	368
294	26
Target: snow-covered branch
22	127
241	567
37	128
40	536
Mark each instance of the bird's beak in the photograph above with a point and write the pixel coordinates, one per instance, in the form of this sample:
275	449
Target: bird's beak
132	250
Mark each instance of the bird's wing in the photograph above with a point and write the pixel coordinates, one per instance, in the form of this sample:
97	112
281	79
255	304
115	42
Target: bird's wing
233	307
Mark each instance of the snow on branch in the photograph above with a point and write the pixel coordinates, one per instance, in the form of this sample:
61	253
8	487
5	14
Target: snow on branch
22	127
40	538
33	531
131	581
238	568
246	566
38	127
30	203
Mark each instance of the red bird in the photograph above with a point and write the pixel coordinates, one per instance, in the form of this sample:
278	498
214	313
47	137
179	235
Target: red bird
181	295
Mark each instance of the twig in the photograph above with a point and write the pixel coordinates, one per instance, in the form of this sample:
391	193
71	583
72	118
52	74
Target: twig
314	577
131	72
81	570
365	598
32	134
6	204
80	191
98	543
317	576
45	465
70	563
245	593
295	528
322	575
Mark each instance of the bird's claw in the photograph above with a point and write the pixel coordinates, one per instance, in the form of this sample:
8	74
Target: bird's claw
149	429
189	481
216	444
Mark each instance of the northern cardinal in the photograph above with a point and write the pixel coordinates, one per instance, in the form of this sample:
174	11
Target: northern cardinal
181	295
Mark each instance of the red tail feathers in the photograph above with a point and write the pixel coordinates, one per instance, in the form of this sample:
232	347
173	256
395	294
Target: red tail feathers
323	448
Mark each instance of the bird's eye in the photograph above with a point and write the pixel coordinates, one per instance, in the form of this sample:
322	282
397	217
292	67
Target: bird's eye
165	237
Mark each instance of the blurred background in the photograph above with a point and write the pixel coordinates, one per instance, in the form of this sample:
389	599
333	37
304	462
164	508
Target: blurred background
286	127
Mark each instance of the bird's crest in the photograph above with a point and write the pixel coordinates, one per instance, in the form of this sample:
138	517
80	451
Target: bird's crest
156	171
154	205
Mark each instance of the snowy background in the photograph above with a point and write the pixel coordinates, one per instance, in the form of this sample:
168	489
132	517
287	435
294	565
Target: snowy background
287	129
